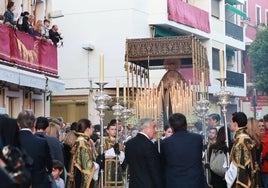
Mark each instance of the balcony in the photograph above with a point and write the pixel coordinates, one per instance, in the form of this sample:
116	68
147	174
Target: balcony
27	61
234	31
235	79
19	49
178	11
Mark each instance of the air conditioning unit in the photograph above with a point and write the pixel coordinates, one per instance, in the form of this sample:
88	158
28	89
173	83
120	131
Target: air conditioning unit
55	14
40	1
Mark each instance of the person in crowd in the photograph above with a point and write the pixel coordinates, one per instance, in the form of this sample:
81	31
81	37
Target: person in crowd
82	166
216	180
57	171
54	144
54	35
38	29
9	15
37	148
181	156
261	126
53	130
113	148
133	132
21	19
27	24
244	168
143	158
68	143
212	136
254	132
9	131
167	132
214	121
264	156
45	31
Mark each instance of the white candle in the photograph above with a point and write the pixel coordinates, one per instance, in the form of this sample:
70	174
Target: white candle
117	87
101	68
202	84
124	94
221	64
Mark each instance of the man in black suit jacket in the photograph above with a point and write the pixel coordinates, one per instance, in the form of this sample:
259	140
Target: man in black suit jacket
56	148
181	156
143	158
37	148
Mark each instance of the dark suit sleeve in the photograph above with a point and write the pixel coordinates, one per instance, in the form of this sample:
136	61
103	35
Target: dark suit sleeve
49	163
153	161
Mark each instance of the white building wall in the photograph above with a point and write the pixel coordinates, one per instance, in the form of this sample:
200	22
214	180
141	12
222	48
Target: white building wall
104	24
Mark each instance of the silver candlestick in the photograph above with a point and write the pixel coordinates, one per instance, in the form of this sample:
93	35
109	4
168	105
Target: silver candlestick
117	108
201	110
224	100
125	115
101	100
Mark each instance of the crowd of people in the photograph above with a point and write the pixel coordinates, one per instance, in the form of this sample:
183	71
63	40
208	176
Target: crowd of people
46	152
26	22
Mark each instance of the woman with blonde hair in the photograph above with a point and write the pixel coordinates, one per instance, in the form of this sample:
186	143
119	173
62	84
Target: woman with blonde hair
53	130
38	28
254	132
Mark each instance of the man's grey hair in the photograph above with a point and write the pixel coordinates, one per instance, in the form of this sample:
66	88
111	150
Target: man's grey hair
144	123
26	119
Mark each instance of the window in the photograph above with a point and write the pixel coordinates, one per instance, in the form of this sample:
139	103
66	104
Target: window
215	8
266	17
258	15
215	59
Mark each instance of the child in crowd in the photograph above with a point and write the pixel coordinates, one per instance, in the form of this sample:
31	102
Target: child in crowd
57	170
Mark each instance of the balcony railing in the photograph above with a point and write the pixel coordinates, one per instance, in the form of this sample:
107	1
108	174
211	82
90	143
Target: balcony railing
27	52
235	79
184	13
234	31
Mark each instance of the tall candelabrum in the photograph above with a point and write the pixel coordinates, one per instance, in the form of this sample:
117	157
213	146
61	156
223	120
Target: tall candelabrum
125	115
201	110
224	101
101	100
117	108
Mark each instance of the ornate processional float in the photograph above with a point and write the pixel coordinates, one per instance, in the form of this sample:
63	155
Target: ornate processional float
187	76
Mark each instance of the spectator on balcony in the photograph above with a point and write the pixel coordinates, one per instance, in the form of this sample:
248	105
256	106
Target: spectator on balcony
1	19
9	15
45	29
54	35
38	28
27	24
20	20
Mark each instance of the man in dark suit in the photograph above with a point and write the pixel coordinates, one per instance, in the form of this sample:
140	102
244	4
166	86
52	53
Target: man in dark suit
181	156
56	148
143	158
37	148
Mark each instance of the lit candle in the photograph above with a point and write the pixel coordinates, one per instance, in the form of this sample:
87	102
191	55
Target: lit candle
124	94
202	84
117	88
101	68
221	64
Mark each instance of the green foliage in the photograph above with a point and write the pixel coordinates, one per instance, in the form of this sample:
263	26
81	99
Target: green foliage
258	54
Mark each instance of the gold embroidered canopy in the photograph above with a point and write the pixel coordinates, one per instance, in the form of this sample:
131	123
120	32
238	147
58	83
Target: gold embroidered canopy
184	58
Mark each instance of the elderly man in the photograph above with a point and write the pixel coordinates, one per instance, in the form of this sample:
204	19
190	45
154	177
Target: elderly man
143	158
37	148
